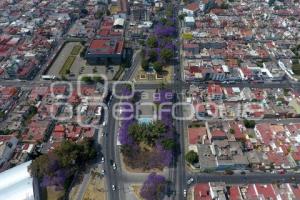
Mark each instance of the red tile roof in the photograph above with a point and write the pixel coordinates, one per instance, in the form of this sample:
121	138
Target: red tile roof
106	46
296	191
59	128
278	159
237	127
218	133
200	108
266	190
193	6
201	192
296	154
195	134
235	193
265	131
214	89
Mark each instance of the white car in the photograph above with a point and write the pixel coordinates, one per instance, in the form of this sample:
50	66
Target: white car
102	159
114	166
184	193
113	187
190	181
102	171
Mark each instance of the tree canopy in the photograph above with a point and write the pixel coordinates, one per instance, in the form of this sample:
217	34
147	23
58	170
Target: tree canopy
152	42
192	157
166	54
249	123
154	187
58	166
147	133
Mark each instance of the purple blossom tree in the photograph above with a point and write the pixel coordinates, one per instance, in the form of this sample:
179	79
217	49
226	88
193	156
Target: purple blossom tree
161	30
57	179
154	187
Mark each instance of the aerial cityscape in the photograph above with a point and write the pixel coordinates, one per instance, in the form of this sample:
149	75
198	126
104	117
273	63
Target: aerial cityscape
150	100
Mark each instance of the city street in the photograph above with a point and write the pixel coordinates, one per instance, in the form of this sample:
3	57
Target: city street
247	178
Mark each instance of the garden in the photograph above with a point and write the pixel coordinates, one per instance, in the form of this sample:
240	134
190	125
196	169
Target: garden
70	60
147	146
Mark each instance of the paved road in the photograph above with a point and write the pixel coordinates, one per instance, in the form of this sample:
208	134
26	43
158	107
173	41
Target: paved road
110	148
264	120
184	85
179	86
109	155
248	178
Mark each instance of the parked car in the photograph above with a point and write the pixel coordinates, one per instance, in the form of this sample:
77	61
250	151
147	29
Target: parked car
190	181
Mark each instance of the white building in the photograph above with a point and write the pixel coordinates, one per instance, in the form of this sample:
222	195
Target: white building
16	183
189	21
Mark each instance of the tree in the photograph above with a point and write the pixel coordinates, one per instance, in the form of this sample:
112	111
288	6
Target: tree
57	167
192	157
2	114
63	77
98	79
153	55
145	65
163	20
72	154
5	132
158	67
154	187
169	144
224	6
84	11
249	123
228	172
43	165
87	79
271	2
232	131
98	14
166	54
182	16
147	133
152	42
82	53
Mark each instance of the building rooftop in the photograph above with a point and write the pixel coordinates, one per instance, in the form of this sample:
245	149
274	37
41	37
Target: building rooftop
106	46
16	183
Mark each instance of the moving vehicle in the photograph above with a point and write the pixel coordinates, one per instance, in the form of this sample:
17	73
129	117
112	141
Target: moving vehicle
114	166
184	193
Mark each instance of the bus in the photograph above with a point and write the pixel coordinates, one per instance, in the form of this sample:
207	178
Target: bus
48	77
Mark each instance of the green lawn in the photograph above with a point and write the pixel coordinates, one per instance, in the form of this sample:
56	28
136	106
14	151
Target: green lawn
296	68
76	50
187	36
67	65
